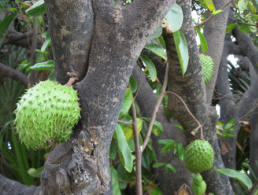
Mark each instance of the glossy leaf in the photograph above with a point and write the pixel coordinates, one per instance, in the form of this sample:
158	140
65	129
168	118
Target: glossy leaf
157	49
127	102
182	50
5	23
152	73
113	150
115	181
47	65
230	124
216	12
45	45
156	191
124	149
133	84
159	164
36	9
128	129
204	43
157	33
180	151
157	127
239	176
242	5
210	5
230	27
170	167
175	17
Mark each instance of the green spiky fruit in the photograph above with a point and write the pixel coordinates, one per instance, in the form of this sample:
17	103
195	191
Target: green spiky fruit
198	186
199	156
46	114
207	67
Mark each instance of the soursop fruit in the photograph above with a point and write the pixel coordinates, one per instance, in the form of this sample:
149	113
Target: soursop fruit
46	114
199	156
198	186
207	67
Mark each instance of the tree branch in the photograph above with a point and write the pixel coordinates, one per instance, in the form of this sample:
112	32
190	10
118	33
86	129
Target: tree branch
71	35
223	92
247	47
215	31
10	187
13	73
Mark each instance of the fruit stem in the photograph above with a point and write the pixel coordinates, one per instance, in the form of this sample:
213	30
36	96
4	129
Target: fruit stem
71	81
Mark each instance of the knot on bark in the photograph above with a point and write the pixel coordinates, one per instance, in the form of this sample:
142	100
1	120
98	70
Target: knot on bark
79	174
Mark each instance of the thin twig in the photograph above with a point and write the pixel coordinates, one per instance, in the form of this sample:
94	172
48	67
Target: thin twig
138	153
212	16
125	122
71	81
188	110
155	111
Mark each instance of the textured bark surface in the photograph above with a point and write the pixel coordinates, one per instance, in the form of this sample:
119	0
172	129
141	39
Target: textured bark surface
71	27
254	142
103	62
214	32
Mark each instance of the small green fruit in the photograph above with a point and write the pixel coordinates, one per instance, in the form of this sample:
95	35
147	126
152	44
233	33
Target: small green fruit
46	114
198	186
199	156
207	67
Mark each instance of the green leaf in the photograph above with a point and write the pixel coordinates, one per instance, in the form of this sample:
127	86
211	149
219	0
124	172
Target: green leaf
204	43
245	28
242	5
35	172
156	191
115	182
175	17
24	65
169	167
127	102
157	49
230	124
182	50
47	65
157	33
5	23
215	12
239	176
112	150
210	5
45	45
159	164
179	127
180	151
36	9
230	27
166	141
124	148
157	127
150	67
133	84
